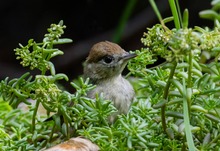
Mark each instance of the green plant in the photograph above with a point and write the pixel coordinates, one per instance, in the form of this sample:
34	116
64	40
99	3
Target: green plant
177	103
211	14
187	89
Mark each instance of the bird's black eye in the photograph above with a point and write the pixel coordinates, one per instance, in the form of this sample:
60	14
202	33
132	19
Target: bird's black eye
108	59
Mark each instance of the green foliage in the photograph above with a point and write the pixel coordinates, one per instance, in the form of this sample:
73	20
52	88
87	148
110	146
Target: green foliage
213	13
185	89
177	103
37	55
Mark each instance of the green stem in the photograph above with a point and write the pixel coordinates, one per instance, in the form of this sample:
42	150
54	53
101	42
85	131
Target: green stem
188	132
52	131
189	82
179	12
187	96
175	14
123	20
67	128
34	115
157	12
165	96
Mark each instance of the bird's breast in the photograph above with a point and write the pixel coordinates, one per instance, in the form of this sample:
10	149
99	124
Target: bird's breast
118	90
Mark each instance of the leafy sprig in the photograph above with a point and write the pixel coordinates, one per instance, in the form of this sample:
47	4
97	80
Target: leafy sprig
38	55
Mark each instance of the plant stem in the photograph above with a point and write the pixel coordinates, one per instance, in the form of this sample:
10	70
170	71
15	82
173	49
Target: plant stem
175	14
157	12
188	132
187	95
189	82
34	115
179	12
52	131
166	92
123	20
67	128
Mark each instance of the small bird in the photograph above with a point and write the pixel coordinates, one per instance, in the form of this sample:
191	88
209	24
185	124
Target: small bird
104	67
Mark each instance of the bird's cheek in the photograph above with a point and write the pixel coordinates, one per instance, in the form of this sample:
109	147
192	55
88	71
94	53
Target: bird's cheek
100	71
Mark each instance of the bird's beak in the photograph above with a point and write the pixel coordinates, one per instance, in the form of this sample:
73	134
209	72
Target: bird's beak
129	56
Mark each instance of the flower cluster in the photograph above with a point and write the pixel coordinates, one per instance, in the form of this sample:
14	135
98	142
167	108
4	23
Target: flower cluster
55	32
33	58
38	55
156	40
172	44
210	38
182	42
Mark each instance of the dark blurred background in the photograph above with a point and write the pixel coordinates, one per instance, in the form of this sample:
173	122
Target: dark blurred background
87	21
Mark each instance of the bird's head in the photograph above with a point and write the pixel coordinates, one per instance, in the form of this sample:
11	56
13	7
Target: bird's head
106	60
